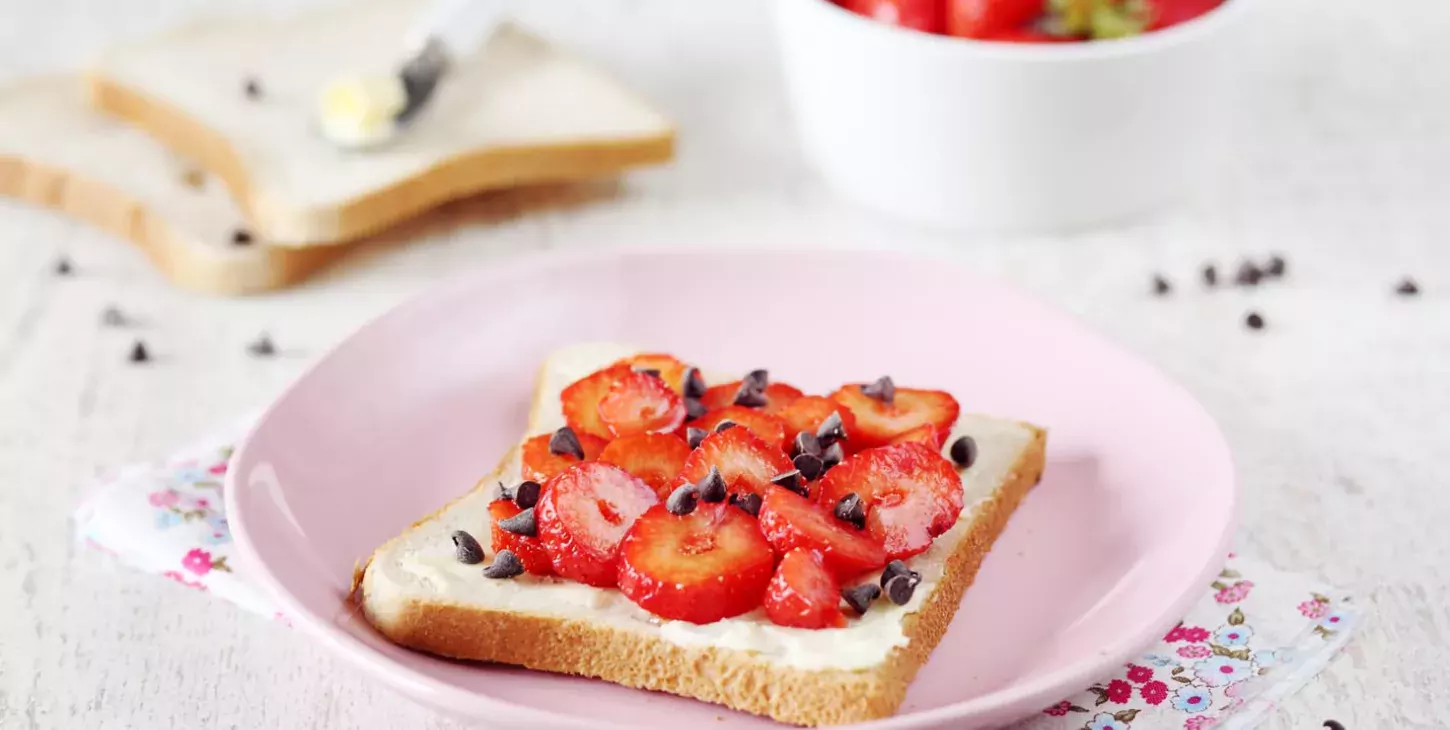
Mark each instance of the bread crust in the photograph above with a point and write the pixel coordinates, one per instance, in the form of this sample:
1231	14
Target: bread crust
729	677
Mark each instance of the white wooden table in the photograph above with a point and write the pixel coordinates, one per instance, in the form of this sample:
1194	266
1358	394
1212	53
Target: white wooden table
1336	411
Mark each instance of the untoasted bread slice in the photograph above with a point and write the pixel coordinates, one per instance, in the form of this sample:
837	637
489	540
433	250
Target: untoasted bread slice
518	111
418	595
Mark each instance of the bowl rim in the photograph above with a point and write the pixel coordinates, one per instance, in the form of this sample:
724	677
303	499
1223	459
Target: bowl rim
422	687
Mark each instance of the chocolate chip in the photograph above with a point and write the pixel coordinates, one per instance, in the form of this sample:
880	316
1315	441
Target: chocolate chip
252	88
522	523
850	509
683	500
262	347
1277	267
725	425
832	429
1161	287
526	495
791	480
882	389
564	443
241	237
653	372
1254	321
112	317
139	354
861	597
694	409
1407	287
505	565
1333	725
505	492
694	384
695	435
748	502
964	452
759	378
750	396
712	487
899	582
466	548
834	455
893	569
805	443
1210	275
809	465
63	267
1248	274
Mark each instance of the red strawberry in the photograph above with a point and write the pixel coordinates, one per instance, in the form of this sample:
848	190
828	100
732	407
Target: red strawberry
802	594
806	414
539	464
768	428
877	422
985	18
1028	35
791	521
1173	12
581	401
777	396
672	371
926	434
583	514
638	403
655	458
746	463
919	14
702	567
530	551
911	494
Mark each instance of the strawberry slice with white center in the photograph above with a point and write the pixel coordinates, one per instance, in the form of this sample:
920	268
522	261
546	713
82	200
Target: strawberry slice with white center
777	396
653	457
672	371
745	462
802	594
539	463
580	401
582	516
768	428
911	494
529	550
808	413
880	421
637	403
701	567
925	434
792	522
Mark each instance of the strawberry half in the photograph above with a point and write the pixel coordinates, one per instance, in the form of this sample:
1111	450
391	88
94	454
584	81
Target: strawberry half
768	428
807	414
701	567
746	462
672	371
654	458
878	422
539	463
925	434
583	514
637	403
803	594
777	396
792	522
528	549
581	398
911	494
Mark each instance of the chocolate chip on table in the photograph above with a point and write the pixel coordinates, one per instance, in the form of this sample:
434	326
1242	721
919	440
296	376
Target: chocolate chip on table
252	88
1248	274
1161	287
522	523
1277	267
882	389
695	435
805	443
861	597
526	495
63	267
1407	287
564	443
694	409
694	384
1210	275
241	237
750	395
725	425
1254	321
964	452
851	509
748	502
791	480
262	346
113	317
832	429
505	565
809	465
712	487
1333	725
139	353
899	582
466	548
683	500
834	455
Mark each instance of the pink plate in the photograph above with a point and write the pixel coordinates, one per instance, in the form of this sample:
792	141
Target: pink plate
1132	517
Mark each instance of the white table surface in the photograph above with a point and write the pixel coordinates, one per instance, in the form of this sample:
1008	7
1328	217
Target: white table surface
1336	412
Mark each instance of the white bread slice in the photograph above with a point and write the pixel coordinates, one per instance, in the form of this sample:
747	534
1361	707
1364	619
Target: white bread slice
418	595
518	111
56	151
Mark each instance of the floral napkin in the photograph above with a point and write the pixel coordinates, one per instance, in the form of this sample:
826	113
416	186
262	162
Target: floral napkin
1257	636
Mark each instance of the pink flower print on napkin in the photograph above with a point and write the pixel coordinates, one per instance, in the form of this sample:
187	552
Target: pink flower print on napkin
218	469
1189	698
1314	609
1221	670
201	562
1060	709
166	498
1234	593
1138	674
1199	722
1154	692
182	579
1194	651
1118	691
1191	634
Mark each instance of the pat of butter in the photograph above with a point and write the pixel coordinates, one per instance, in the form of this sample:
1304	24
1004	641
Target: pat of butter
356	111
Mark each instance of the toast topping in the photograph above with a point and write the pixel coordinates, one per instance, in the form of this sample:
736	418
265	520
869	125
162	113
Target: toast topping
832	456
545	455
583	515
748	502
637	403
666	367
467	549
793	481
831	430
745	462
852	511
751	392
693	436
505	565
694	385
655	458
803	594
899	582
878	422
711	487
768	428
527	548
882	389
809	413
522	523
805	443
861	597
564	443
924	434
809	465
694	409
683	500
910	494
964	452
702	567
791	521
526	495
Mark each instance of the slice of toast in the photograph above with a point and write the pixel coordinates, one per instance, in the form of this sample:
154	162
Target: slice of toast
417	594
517	111
57	152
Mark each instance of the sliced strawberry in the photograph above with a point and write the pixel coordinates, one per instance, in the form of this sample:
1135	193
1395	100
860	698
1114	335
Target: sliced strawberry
803	594
769	428
672	371
791	521
655	458
581	401
989	18
878	422
925	434
583	514
911	494
701	567
746	462
807	414
777	396
529	550
925	15
540	464
638	403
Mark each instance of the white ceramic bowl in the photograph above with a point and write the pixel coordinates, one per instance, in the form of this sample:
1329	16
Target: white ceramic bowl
1005	136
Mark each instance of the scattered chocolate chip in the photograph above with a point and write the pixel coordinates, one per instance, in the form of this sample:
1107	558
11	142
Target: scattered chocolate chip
964	452
262	346
1277	267
1161	287
809	465
725	425
466	548
139	354
1248	274
1333	725
834	455
63	267
832	429
694	409
526	495
805	443
683	500
791	480
1210	275
252	88
748	502
712	487
882	389
654	372
899	582
861	597
505	492
695	435
522	523
759	378
505	565
893	569
1407	287
113	317
241	237
749	395
850	509
564	443
1254	321
694	384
